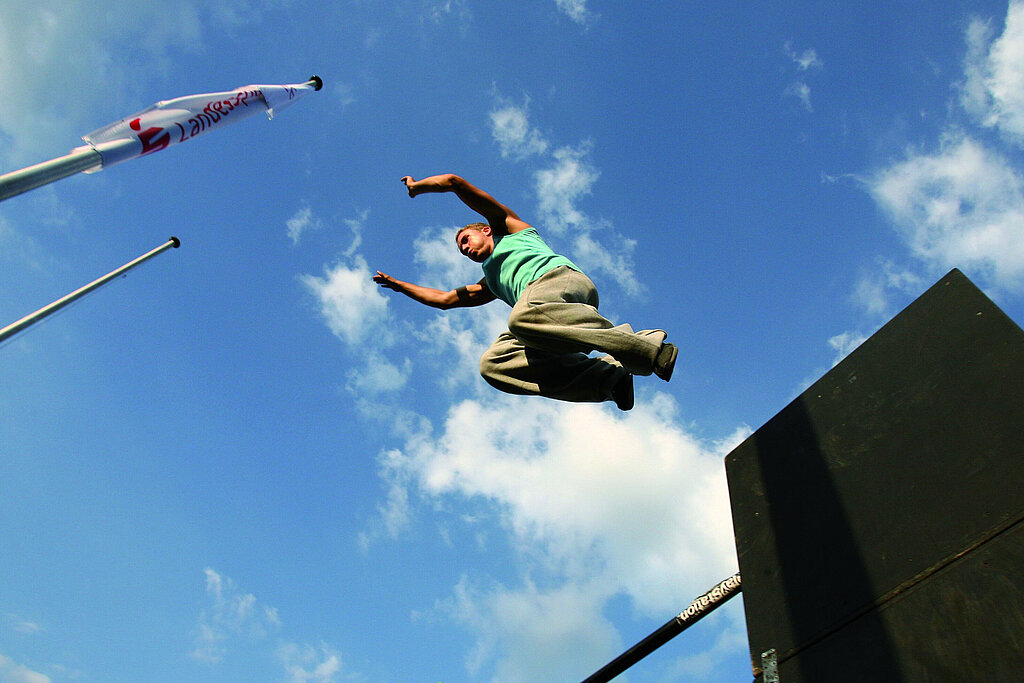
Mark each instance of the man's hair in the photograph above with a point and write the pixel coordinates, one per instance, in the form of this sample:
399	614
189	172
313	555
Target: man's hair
472	226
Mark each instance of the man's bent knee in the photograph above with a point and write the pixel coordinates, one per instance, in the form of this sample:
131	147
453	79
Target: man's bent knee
489	367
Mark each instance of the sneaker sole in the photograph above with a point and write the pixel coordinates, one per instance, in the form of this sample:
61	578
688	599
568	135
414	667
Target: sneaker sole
663	367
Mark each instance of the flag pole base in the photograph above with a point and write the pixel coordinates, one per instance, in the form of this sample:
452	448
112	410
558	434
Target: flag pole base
80	159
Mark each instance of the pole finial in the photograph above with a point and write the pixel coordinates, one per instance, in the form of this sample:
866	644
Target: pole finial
317	82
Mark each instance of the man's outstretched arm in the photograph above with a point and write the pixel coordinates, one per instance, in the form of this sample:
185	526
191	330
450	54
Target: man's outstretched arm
500	217
476	294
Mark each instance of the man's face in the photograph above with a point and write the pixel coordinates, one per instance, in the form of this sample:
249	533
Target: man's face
476	245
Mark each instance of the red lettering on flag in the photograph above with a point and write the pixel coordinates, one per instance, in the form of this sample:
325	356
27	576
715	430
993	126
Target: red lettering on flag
151	138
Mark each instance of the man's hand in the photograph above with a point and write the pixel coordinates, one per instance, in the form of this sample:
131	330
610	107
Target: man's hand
409	181
503	220
435	183
419	187
471	295
386	281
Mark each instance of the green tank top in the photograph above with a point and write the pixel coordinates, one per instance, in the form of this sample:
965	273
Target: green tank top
517	260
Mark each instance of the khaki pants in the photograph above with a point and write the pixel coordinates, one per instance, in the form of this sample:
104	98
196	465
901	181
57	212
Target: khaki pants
551	328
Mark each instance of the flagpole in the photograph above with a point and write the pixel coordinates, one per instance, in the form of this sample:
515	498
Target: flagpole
43	312
23	180
698	609
128	145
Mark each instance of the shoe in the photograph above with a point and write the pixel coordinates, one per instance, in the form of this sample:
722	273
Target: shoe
655	336
622	393
665	361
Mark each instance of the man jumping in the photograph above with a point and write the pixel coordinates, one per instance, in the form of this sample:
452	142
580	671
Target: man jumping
554	322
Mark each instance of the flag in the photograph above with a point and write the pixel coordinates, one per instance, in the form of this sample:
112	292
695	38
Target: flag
174	121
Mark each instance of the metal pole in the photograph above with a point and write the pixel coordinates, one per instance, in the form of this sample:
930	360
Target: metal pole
79	159
700	607
83	158
33	318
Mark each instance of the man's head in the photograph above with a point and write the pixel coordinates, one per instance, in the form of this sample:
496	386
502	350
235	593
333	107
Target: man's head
475	241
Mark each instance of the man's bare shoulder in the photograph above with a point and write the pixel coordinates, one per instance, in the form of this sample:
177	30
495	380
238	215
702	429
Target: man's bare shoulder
515	224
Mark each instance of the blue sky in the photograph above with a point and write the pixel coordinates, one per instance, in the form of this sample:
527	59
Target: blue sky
245	462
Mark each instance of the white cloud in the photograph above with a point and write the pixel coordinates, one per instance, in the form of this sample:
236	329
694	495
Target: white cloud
600	504
870	295
304	663
726	445
844	344
974	95
230	614
567	177
344	94
356	226
993	88
232	14
806	60
27	627
395	510
731	638
439	11
533	635
595	257
33	39
560	187
302	221
456	339
874	289
351	303
960	207
356	311
575	9
376	374
305	220
511	129
443	265
20	625
53	94
802	92
580	480
233	617
12	672
963	205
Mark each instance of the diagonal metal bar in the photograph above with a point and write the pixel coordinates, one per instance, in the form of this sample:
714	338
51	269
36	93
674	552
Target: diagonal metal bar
697	610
